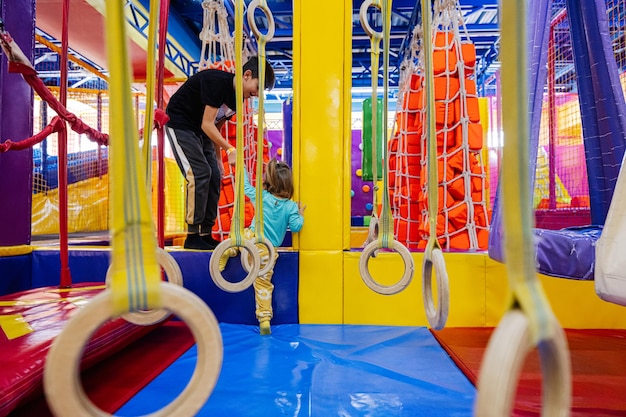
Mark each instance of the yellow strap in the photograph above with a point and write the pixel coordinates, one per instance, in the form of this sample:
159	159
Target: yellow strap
431	132
375	39
519	252
150	87
258	209
236	228
385	236
134	269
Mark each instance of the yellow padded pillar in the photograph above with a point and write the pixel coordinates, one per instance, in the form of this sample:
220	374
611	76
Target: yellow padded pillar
321	120
322	63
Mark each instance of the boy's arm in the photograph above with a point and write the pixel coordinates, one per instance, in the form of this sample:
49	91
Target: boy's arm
211	130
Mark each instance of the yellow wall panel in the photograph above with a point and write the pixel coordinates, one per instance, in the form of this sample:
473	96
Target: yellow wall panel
321	287
364	306
466	274
577	306
323	145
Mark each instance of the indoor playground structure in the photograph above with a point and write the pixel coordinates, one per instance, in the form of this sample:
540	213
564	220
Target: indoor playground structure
462	248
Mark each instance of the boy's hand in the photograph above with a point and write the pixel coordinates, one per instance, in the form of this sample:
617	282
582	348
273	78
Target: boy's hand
232	156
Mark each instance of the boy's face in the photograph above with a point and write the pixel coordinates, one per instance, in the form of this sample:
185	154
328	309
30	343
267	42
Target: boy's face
250	85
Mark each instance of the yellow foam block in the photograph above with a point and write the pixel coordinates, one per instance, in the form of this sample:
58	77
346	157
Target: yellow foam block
577	306
321	287
363	306
321	93
574	303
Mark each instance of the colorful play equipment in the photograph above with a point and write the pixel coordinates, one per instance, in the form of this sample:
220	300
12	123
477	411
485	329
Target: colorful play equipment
603	134
347	342
530	321
236	238
136	284
461	215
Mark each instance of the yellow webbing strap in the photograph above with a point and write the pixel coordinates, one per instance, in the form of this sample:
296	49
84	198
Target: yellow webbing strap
150	87
258	209
236	229
375	39
135	273
431	131
385	237
519	252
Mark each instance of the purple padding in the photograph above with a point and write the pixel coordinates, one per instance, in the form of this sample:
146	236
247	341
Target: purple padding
567	253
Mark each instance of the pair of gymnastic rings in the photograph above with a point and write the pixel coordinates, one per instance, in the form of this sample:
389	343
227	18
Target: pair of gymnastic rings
433	256
62	385
530	322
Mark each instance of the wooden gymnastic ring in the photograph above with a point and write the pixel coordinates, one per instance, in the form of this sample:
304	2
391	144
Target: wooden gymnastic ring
216	274
254	4
174	276
62	385
502	363
437	316
363	18
263	269
404	281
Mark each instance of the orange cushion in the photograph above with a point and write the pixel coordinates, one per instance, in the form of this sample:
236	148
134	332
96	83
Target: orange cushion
446	88
444	61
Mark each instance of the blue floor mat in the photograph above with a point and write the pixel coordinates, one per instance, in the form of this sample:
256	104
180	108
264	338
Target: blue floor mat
322	371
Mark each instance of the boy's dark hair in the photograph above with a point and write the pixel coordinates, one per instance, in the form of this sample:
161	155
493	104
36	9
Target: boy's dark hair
253	66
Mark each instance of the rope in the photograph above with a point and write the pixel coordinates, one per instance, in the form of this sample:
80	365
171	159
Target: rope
259	224
55	125
133	249
530	321
236	234
150	90
135	274
375	39
385	237
236	230
212	37
432	255
18	63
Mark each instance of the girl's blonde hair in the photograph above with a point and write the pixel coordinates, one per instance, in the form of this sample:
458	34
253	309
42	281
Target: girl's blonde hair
278	179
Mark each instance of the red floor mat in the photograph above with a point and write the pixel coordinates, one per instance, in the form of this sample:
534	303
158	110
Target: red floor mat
111	383
598	368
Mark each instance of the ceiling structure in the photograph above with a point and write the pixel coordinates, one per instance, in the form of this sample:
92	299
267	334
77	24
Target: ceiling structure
186	22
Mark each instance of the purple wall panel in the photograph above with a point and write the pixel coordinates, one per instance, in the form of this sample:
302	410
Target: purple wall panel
361	198
275	137
16	120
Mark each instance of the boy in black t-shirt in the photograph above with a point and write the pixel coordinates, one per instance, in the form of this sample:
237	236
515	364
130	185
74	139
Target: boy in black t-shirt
197	111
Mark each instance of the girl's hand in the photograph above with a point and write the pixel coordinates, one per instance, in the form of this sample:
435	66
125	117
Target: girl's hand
301	208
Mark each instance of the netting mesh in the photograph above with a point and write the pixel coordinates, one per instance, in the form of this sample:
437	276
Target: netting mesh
561	197
88	192
218	52
87	167
462	218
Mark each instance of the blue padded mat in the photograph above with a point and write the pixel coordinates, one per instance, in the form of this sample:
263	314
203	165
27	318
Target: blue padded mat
322	371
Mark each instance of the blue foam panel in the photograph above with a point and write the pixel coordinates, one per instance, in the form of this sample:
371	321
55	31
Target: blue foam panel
91	266
239	307
322	370
85	266
15	274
